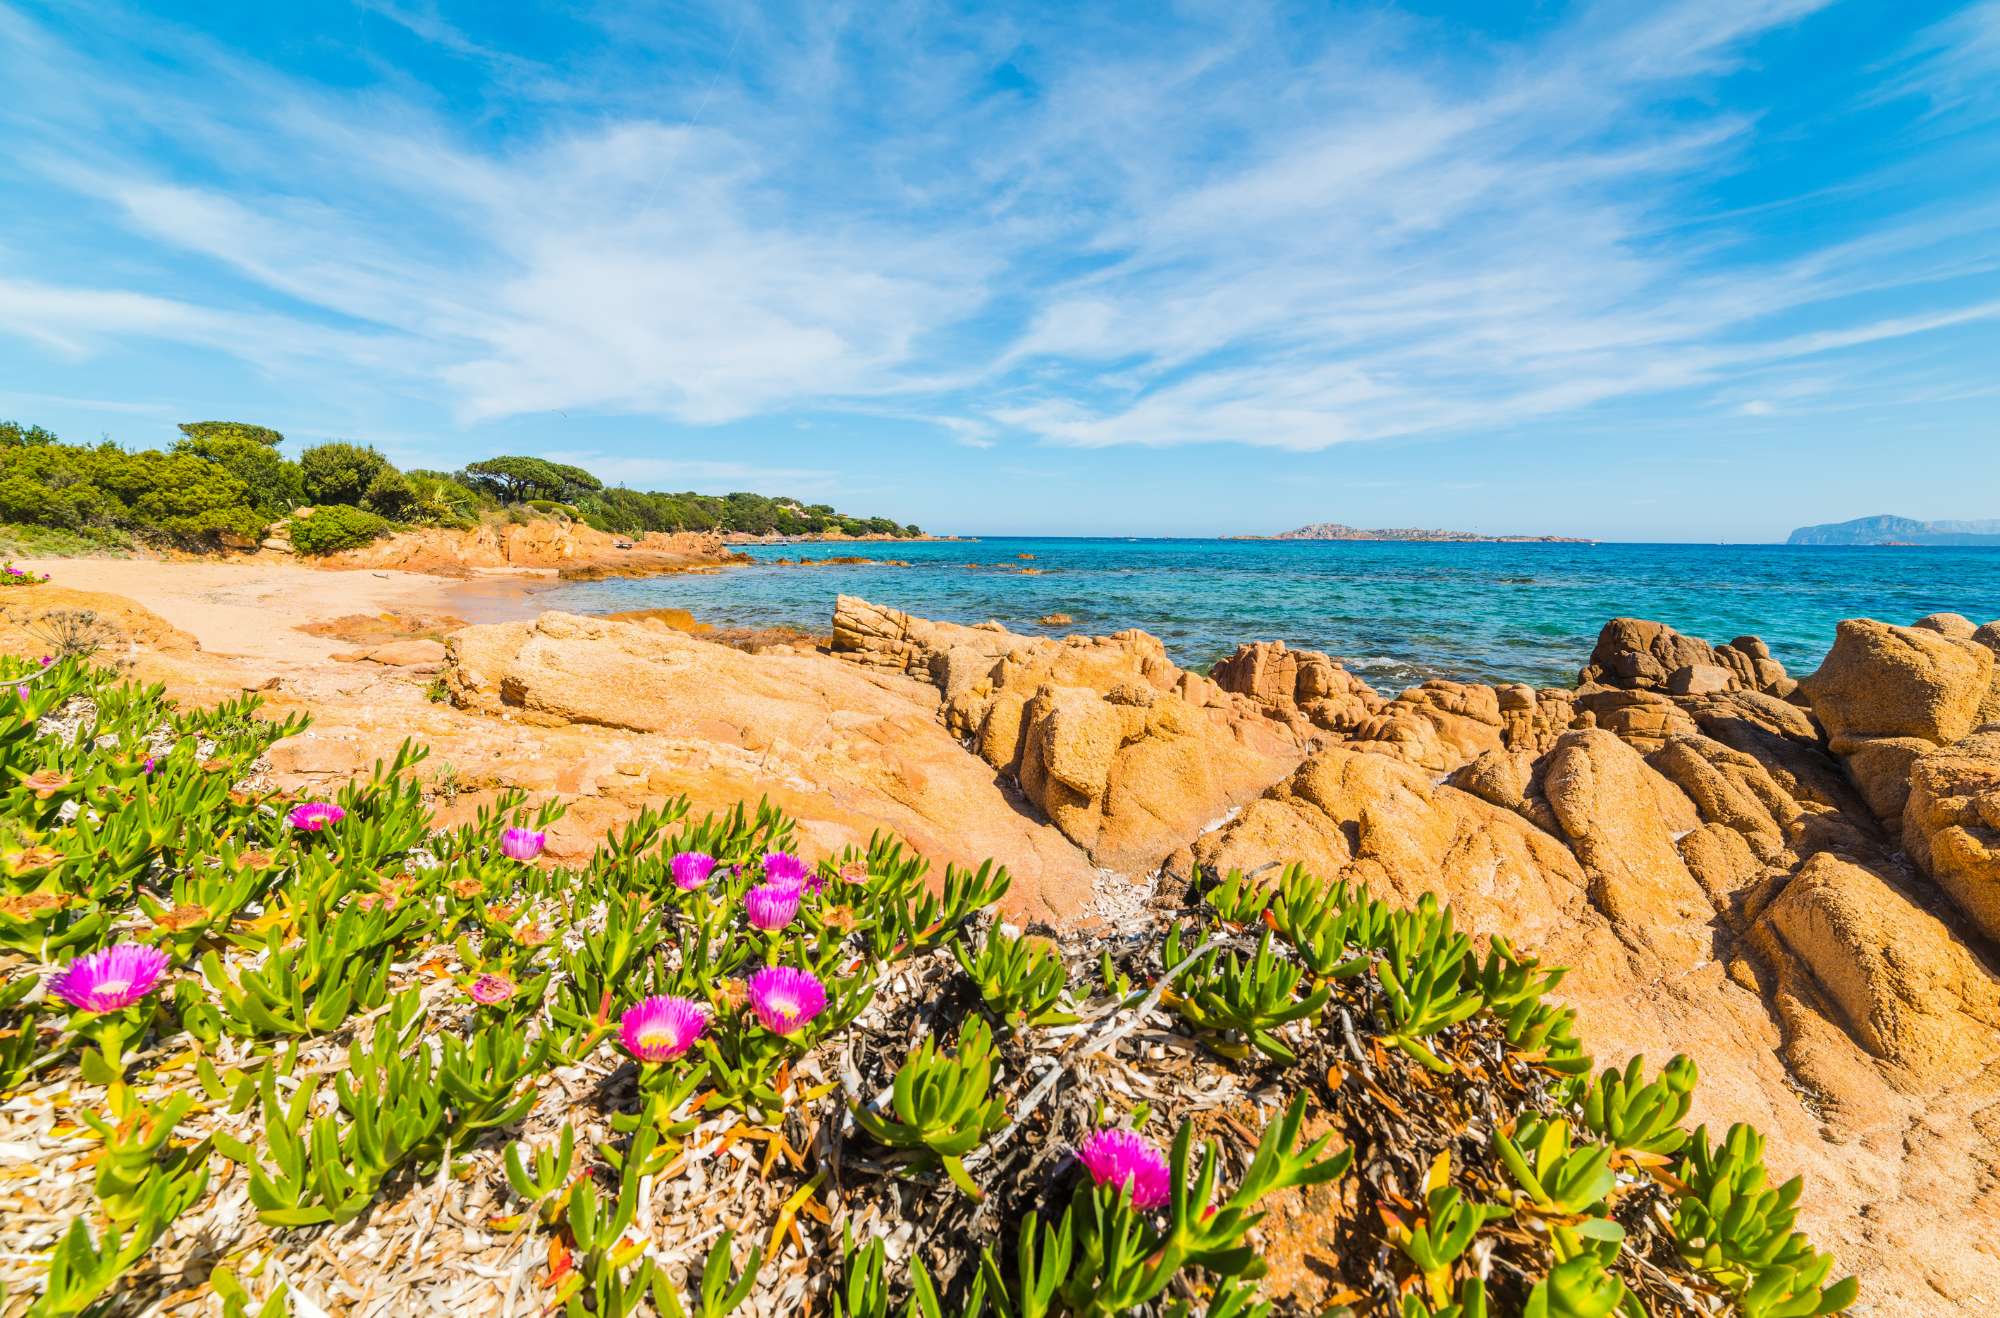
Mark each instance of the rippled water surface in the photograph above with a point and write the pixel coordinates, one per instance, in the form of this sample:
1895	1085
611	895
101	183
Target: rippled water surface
1394	612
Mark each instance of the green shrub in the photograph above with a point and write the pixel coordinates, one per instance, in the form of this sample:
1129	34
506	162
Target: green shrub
276	485
340	473
438	499
388	493
333	527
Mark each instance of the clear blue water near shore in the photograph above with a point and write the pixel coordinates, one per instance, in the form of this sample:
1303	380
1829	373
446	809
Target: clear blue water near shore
1394	612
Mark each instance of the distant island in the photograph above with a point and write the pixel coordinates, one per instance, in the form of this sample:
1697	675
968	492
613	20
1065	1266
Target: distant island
1888	530
1337	531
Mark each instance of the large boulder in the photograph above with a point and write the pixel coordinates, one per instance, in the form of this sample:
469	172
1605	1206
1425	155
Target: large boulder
1886	695
1951	825
1880	680
1634	654
1906	988
1297	686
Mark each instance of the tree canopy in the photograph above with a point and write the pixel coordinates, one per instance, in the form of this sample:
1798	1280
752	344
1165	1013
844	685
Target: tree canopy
203	430
222	482
519	479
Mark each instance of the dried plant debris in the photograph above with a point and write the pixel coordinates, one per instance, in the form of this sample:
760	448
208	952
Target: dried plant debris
262	1056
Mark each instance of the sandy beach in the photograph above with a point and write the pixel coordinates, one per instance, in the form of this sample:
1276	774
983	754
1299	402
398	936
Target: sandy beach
252	609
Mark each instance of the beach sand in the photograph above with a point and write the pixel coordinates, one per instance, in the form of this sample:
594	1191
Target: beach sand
252	609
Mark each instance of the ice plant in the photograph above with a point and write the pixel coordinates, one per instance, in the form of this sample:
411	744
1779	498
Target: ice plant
315	815
659	1029
109	979
522	843
785	870
771	905
691	869
491	990
785	998
1123	1159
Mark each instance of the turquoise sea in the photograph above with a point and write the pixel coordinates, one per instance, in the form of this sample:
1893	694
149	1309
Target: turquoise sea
1395	613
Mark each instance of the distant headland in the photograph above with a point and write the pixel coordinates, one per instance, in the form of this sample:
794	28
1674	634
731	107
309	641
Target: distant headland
1890	530
1338	531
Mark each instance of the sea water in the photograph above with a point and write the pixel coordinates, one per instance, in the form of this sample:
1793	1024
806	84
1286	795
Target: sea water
1393	612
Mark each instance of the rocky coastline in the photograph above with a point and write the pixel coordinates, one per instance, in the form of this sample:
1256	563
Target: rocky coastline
1794	880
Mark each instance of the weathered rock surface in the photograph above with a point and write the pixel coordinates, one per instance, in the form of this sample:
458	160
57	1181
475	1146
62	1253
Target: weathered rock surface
1370	818
570	547
1888	694
417	653
1636	655
1127	754
1951	825
1885	681
24	629
845	750
1910	991
1298	687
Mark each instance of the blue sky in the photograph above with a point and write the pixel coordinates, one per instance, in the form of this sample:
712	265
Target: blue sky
1683	269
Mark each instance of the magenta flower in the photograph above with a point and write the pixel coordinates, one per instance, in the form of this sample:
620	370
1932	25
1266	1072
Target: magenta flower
47	660
522	843
1121	1158
147	767
315	815
788	871
660	1029
491	990
691	869
771	905
784	998
109	979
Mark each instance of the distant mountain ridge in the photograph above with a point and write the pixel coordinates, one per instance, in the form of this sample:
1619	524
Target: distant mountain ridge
1340	531
1890	530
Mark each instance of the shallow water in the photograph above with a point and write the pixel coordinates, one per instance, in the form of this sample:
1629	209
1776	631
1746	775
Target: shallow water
1395	613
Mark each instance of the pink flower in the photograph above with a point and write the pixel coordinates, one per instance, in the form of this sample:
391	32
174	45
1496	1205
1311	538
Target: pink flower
148	766
109	979
315	815
1121	1158
661	1029
691	869
522	843
784	998
785	870
489	990
771	905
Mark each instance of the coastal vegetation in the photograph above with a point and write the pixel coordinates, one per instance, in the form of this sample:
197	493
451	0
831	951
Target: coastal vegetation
225	484
704	1072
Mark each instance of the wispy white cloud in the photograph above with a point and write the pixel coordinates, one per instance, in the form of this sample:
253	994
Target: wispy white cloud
1953	65
1233	231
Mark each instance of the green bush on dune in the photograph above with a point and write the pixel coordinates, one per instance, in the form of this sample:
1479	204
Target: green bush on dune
332	527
